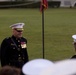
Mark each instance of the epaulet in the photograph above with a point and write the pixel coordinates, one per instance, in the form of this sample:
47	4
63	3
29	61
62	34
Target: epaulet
7	38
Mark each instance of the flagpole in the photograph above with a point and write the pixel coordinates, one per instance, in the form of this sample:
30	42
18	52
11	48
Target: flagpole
43	30
44	5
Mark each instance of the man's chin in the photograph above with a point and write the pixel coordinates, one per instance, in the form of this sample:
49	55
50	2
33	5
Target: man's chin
19	36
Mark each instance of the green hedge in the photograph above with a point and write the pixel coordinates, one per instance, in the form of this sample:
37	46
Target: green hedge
27	4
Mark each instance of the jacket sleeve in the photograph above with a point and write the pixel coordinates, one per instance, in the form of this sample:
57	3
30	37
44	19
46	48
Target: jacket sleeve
4	53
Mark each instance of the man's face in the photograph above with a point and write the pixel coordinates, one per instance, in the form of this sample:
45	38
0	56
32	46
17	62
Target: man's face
17	33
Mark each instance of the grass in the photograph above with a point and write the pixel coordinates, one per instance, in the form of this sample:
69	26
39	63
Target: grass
60	25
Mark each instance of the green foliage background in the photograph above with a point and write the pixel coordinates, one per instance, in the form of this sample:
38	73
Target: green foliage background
60	25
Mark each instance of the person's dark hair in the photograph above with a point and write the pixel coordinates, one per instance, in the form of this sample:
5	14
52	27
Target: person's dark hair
8	70
73	57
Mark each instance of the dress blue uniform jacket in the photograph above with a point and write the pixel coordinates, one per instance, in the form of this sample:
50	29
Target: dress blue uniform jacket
14	52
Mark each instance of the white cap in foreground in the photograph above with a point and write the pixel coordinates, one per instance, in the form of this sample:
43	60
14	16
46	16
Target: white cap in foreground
64	67
34	67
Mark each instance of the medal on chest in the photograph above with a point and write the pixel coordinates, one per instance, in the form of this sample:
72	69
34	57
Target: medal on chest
23	45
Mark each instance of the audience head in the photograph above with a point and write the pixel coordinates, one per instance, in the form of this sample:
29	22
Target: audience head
8	70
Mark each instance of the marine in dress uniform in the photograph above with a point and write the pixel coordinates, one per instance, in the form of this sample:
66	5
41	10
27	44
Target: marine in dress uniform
14	48
74	39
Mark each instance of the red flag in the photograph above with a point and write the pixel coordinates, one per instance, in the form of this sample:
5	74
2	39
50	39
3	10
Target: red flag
44	5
